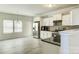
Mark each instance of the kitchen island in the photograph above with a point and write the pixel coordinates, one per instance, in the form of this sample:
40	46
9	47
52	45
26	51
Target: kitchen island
69	41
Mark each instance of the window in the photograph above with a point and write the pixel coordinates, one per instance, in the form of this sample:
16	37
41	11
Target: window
10	26
17	26
7	26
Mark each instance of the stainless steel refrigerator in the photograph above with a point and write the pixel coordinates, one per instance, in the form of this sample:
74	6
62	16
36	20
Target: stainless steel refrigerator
36	29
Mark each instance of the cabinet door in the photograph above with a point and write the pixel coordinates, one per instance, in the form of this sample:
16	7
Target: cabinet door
43	22
54	17
51	21
45	35
47	21
42	35
75	16
58	17
66	19
49	34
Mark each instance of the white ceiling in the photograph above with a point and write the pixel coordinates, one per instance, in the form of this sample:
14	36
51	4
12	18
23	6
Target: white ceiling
30	9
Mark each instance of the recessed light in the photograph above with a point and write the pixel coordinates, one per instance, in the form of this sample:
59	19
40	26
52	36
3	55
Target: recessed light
49	5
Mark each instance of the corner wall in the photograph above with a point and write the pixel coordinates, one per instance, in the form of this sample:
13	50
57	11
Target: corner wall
27	26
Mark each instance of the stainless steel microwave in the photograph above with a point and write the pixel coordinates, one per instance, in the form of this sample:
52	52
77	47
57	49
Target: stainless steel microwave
45	28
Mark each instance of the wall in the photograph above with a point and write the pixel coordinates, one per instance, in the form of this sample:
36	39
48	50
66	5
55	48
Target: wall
27	26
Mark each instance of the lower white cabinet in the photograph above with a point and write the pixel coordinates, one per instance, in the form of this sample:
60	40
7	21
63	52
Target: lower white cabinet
41	34
46	34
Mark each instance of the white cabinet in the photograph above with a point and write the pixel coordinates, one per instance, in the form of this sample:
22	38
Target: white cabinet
69	19
75	16
45	34
49	34
54	17
72	18
41	34
57	17
66	19
43	22
51	21
47	21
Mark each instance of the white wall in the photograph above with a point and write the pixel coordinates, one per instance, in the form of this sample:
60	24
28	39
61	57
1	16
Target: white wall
27	26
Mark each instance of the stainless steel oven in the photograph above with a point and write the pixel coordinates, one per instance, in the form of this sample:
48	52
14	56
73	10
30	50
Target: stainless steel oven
56	37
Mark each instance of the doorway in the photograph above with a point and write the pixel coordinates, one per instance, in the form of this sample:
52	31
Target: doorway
36	29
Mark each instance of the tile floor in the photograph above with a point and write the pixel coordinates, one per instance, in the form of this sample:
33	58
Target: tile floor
27	46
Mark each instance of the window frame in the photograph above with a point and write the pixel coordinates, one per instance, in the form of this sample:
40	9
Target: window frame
13	27
3	27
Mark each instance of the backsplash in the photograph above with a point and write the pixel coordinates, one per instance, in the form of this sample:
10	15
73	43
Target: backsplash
60	28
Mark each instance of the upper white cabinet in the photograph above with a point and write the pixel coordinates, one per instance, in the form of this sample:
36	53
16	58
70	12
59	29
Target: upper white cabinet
54	17
43	21
72	18
57	17
75	16
47	21
51	21
66	19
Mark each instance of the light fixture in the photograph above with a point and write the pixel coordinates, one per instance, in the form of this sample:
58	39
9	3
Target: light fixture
49	5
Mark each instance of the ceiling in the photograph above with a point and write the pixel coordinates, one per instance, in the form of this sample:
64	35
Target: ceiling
31	9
